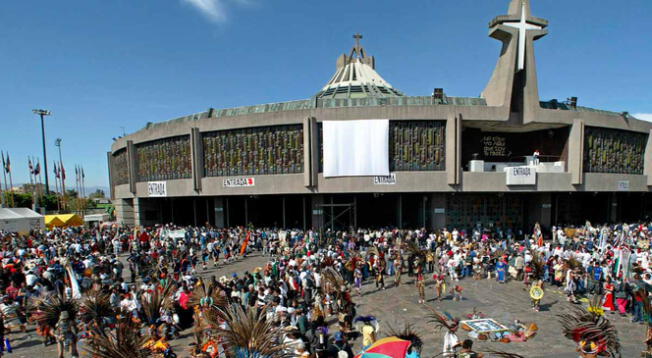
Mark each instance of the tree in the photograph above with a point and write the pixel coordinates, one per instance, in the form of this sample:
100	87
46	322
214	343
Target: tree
71	193
99	193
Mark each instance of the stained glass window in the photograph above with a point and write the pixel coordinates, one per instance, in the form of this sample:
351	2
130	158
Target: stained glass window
164	159
417	145
413	146
613	151
119	167
254	151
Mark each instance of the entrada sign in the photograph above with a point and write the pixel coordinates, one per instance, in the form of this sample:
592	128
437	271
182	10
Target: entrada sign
385	180
157	189
521	175
238	182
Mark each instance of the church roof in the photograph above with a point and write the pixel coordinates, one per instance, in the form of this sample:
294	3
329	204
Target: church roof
356	77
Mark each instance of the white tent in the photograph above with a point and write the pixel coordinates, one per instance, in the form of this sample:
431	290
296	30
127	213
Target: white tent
96	219
20	220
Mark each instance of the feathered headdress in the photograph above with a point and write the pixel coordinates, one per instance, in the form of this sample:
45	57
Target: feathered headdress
96	307
443	320
47	310
162	297
592	332
332	278
249	335
207	296
407	333
123	342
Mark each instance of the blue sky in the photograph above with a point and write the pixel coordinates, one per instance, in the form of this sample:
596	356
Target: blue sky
100	65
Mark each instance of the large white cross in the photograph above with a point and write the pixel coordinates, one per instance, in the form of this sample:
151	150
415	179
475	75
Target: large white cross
523	27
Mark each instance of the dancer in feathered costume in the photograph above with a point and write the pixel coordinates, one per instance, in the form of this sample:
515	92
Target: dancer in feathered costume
409	334
205	299
124	341
247	334
59	314
594	334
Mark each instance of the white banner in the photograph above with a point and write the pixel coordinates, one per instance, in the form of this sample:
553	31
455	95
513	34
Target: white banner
521	175
238	182
385	180
157	189
356	148
623	185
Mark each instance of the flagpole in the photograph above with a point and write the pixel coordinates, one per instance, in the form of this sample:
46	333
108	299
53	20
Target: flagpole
11	185
56	187
4	174
2	193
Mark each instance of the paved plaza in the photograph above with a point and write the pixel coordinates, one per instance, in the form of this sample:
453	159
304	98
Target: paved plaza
397	305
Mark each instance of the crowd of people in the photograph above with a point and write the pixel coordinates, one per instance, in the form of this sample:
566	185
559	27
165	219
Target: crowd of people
143	287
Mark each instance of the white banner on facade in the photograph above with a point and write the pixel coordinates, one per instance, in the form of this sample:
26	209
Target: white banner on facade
238	182
385	180
157	189
356	148
521	175
623	185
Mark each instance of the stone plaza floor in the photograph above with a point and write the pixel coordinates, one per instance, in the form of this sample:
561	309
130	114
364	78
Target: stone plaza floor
395	306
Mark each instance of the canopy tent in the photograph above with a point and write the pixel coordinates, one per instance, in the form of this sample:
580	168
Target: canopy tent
63	220
20	220
53	221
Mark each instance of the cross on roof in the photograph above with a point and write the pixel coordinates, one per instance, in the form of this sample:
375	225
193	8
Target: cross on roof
357	38
523	27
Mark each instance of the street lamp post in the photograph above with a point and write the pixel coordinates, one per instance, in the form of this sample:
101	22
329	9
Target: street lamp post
57	142
42	113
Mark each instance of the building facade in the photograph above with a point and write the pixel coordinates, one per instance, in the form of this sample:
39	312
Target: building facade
506	158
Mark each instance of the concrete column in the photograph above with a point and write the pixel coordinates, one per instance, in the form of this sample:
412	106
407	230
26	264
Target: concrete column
124	211
283	210
545	218
438	210
111	188
219	212
197	154
453	149
303	211
246	211
138	212
355	211
310	152
131	164
647	160
576	152
613	208
317	212
399	211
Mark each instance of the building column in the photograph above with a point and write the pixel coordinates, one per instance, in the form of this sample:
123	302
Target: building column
453	149
138	219
197	158
545	219
355	211
576	152
283	211
613	207
246	211
647	159
303	211
124	211
399	211
317	212
131	165
438	210
194	211
219	212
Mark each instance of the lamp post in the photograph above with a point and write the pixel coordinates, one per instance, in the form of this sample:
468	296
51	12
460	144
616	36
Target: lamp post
57	142
42	113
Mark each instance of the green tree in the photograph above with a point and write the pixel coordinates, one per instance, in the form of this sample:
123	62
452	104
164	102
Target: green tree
99	193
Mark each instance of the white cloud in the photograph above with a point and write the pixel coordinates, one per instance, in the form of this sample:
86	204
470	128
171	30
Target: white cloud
643	116
214	10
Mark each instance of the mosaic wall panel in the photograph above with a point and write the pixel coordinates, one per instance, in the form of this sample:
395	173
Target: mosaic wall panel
417	145
413	146
613	151
164	159
120	167
466	211
254	151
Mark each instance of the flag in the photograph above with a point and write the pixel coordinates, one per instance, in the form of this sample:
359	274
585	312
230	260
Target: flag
62	170
29	164
37	168
6	164
56	170
82	173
